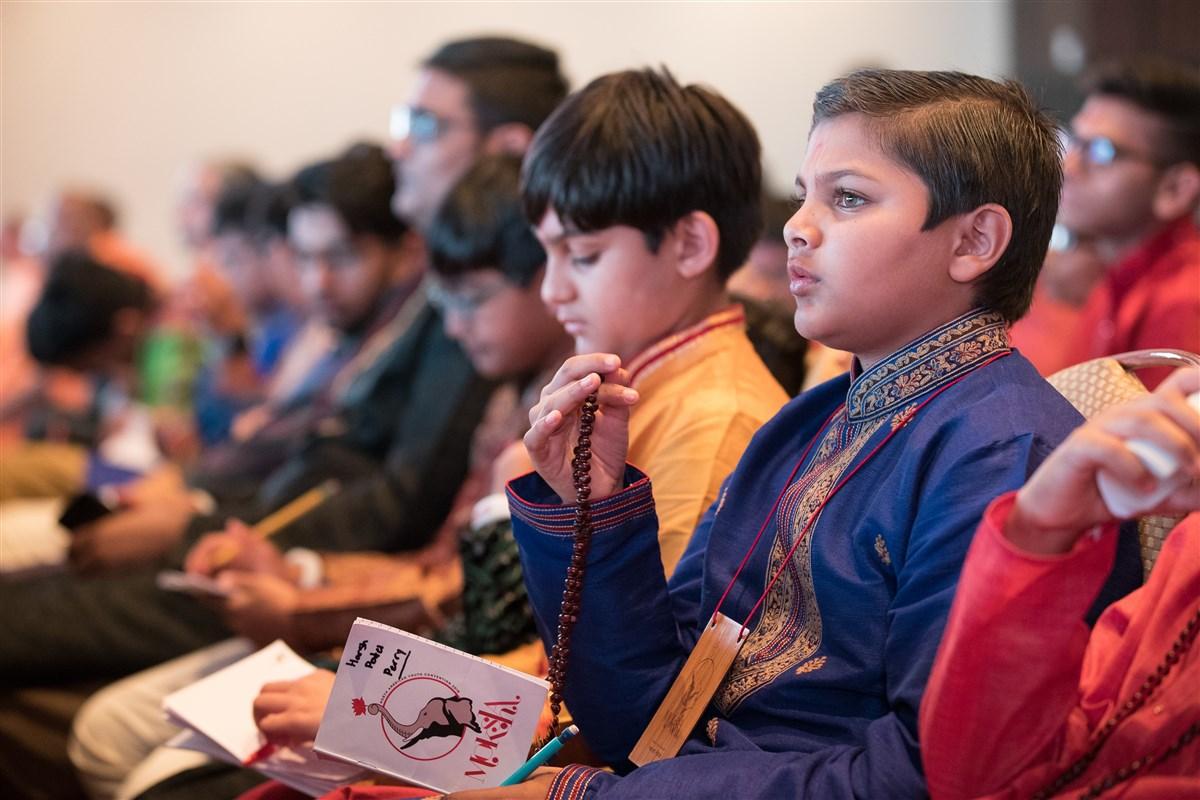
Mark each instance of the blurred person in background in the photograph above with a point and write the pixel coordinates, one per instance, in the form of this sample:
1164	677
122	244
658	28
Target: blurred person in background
1131	191
472	97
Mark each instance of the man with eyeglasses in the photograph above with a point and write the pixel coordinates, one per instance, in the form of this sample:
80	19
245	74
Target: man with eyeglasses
1131	191
472	97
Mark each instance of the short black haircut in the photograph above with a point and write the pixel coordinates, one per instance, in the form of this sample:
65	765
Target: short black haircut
269	208
637	148
1169	90
509	80
106	213
77	306
231	211
972	141
358	185
480	225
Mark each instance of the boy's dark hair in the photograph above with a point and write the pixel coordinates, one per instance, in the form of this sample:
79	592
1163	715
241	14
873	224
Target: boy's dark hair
480	225
268	211
636	148
971	141
1170	91
509	80
358	185
77	306
231	212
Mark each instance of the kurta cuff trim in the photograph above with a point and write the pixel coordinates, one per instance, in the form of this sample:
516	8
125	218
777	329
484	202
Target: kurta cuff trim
633	502
995	518
572	782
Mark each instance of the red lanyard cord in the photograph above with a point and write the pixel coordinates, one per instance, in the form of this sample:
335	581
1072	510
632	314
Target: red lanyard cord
774	508
813	517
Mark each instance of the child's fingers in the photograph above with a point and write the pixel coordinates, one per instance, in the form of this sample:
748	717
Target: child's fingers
286	726
538	437
268	703
1108	453
272	687
614	395
577	367
1183	381
1168	425
566	399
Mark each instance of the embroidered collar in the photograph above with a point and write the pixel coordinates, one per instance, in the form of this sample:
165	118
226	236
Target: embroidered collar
672	346
920	367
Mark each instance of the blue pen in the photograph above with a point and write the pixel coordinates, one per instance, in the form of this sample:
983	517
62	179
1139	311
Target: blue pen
541	756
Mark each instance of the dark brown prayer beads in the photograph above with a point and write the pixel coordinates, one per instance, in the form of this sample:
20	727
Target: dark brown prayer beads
581	466
1180	646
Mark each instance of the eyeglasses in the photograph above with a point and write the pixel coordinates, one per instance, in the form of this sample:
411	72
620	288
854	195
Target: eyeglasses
1100	151
463	301
419	124
336	258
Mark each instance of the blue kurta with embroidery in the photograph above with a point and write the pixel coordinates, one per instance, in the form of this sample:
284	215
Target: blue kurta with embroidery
822	699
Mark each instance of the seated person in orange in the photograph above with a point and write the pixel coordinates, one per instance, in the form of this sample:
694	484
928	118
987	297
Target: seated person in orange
1022	702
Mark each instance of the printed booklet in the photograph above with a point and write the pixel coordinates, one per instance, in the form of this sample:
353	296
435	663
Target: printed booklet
428	714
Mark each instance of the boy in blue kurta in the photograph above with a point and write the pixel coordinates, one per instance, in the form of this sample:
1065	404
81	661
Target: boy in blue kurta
925	206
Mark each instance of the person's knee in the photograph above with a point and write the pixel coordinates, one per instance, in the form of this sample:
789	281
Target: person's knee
107	740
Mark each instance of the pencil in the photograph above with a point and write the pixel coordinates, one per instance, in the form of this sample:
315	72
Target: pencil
280	519
541	756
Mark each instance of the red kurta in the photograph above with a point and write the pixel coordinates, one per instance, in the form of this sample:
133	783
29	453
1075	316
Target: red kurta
1019	687
1150	299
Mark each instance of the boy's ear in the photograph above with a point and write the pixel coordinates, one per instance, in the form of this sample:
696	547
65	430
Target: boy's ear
696	240
983	235
511	138
1178	192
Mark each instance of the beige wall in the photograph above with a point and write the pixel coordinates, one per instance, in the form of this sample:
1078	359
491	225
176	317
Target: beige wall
119	95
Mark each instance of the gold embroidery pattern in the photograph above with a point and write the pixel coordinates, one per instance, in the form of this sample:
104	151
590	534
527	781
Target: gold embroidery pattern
789	629
711	730
812	665
904	416
942	355
882	551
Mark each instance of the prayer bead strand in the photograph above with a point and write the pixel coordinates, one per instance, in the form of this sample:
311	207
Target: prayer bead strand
1138	699
573	586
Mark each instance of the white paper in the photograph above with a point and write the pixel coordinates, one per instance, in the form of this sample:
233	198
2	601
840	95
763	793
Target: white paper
217	716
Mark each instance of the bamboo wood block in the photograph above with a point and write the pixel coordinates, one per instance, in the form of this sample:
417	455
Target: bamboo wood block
689	694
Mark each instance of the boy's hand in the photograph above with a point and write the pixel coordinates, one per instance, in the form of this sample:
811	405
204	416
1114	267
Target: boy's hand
128	538
289	712
237	547
163	484
554	424
259	606
535	787
1060	501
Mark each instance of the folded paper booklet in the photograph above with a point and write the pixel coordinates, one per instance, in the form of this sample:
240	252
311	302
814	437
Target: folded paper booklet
217	717
428	714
